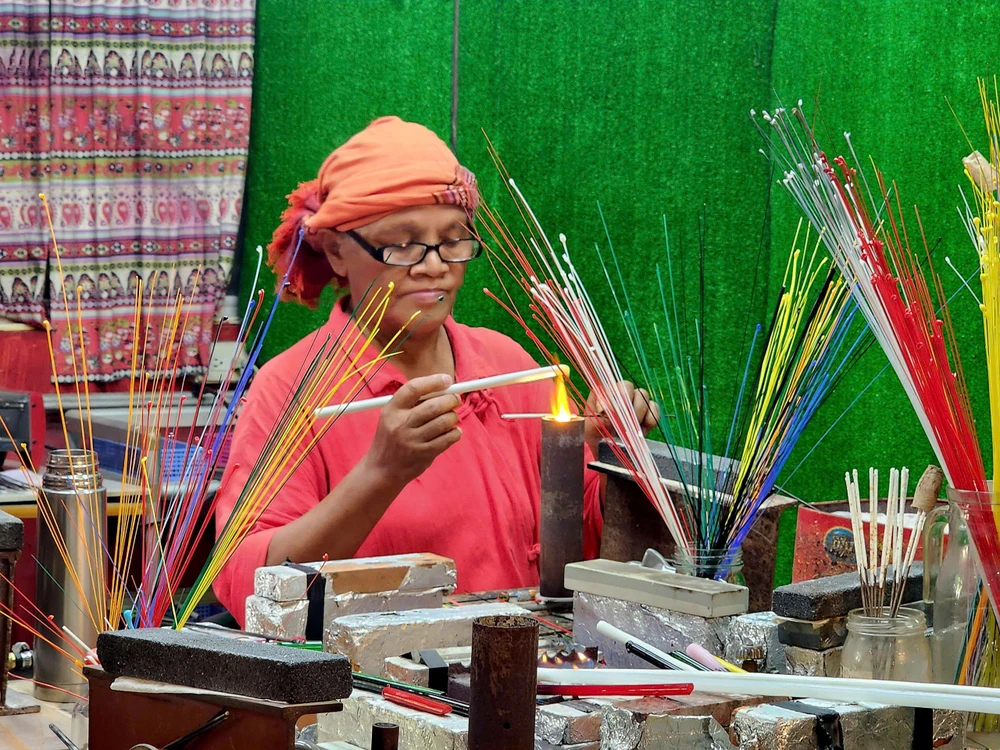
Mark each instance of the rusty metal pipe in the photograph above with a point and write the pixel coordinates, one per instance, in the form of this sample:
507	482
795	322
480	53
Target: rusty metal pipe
503	683
385	736
561	533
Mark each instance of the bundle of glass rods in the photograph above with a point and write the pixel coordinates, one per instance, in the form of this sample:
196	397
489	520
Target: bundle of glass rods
162	520
803	353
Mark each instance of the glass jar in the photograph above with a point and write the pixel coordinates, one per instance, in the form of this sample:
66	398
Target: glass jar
79	728
954	591
710	563
887	648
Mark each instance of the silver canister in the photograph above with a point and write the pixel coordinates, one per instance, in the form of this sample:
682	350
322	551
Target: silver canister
76	520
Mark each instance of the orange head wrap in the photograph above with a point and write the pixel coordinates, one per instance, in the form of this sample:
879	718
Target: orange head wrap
389	165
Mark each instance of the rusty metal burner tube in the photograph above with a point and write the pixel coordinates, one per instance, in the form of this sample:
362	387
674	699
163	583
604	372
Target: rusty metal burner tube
503	683
561	533
385	736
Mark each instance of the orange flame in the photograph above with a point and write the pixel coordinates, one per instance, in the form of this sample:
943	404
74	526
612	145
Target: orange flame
560	402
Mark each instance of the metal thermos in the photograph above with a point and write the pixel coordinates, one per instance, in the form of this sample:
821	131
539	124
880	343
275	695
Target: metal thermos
77	501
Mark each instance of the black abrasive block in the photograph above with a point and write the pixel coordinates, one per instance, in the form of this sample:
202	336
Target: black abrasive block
212	662
834	596
11	532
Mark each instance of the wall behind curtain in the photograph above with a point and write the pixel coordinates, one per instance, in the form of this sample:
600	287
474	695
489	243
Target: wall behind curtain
643	106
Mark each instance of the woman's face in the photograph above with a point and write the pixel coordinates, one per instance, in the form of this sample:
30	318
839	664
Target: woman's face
428	288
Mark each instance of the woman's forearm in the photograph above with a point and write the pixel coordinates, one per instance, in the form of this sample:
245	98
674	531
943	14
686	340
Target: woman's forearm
340	523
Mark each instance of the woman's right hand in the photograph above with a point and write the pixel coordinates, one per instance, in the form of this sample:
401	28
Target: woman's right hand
412	433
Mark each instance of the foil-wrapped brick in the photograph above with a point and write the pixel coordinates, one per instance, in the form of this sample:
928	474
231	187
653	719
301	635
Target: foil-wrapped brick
755	637
684	733
870	726
662	628
288	619
560	724
768	727
416	728
804	661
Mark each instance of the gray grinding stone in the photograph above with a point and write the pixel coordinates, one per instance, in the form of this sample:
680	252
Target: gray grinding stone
212	662
11	532
834	596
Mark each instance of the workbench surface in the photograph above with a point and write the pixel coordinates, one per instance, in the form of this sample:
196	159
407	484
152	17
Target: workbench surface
31	731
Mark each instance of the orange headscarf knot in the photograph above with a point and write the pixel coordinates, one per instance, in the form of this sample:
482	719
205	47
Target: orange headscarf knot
388	166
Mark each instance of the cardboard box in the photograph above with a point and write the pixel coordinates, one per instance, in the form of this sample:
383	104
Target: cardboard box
824	542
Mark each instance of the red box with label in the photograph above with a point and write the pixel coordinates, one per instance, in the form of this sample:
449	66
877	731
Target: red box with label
824	542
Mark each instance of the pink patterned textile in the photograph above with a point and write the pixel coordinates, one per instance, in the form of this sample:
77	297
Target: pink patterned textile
133	117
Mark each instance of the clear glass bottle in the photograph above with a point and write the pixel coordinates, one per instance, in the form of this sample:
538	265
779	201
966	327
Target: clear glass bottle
887	648
934	543
710	563
956	585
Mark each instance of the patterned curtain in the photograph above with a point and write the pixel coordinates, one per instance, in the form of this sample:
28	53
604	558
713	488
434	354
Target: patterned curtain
133	117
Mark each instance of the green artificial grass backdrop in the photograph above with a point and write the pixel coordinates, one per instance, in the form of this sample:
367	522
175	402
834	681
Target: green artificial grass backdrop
643	106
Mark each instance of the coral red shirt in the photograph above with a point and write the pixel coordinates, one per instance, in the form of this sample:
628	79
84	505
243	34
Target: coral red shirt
478	503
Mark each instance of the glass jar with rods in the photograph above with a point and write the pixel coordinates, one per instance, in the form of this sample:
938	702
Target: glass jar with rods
886	641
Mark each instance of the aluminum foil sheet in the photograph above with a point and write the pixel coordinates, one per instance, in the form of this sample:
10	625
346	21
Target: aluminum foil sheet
416	728
288	619
949	730
619	730
669	631
367	639
755	636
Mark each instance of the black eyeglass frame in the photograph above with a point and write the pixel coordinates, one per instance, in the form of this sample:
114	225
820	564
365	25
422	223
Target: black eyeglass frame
378	253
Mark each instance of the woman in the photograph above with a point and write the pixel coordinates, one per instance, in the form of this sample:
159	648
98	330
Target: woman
445	474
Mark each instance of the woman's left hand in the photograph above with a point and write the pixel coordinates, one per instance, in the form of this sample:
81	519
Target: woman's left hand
598	424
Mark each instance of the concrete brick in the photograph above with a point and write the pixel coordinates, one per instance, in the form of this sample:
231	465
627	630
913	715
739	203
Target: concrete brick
367	639
816	635
657	588
362	575
406	670
214	662
834	596
11	532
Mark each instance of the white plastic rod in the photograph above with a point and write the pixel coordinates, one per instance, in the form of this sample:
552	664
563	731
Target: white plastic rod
622	637
610	631
494	381
847	690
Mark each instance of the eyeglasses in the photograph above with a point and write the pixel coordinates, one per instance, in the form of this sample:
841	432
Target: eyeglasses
412	253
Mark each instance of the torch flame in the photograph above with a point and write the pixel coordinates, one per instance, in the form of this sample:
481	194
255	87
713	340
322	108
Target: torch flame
560	402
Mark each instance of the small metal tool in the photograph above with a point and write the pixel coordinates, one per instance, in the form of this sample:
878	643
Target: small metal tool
208	726
70	745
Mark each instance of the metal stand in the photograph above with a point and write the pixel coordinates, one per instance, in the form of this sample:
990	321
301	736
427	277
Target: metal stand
12	536
121	720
